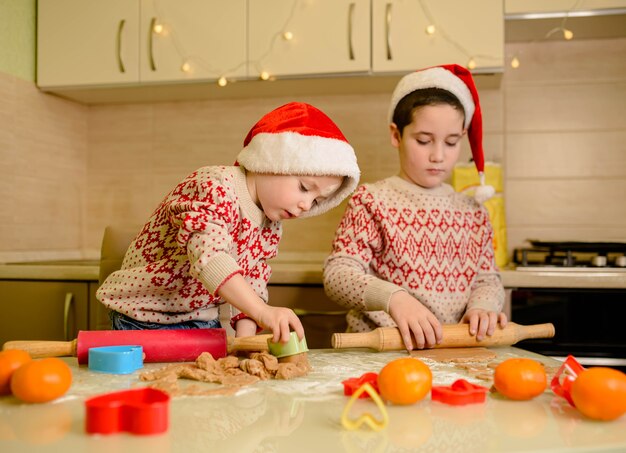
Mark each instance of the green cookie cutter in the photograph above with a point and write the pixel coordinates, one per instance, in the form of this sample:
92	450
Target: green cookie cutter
292	347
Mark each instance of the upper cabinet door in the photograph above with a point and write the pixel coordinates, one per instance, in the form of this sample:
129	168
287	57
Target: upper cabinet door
464	31
87	42
305	37
192	39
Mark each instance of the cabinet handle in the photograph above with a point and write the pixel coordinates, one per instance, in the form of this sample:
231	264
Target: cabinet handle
388	29
350	22
150	42
69	299
120	62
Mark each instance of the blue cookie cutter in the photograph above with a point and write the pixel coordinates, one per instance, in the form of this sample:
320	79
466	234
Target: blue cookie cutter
116	359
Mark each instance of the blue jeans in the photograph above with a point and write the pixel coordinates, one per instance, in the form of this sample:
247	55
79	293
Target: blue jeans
120	321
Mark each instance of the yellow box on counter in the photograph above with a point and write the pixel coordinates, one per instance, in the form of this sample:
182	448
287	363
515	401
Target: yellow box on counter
465	179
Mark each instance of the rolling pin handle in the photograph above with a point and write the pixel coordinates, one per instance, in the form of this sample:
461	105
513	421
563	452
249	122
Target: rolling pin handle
41	349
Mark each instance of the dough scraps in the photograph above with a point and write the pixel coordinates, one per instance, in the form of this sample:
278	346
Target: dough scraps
455	355
229	371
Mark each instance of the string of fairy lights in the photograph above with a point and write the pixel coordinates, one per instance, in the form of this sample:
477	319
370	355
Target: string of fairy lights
190	62
561	29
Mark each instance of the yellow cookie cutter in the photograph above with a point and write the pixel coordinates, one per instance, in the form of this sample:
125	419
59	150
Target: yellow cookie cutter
366	418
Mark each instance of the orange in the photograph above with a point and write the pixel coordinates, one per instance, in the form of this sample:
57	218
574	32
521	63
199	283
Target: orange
40	381
600	393
404	381
10	360
520	379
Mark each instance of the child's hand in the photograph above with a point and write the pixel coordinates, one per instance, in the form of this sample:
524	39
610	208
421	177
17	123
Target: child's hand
483	322
245	327
279	320
413	318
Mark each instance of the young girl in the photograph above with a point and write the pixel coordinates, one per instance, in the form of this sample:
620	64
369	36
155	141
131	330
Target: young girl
208	241
410	252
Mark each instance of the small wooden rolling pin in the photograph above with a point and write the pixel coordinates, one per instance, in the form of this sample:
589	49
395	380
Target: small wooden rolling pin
454	336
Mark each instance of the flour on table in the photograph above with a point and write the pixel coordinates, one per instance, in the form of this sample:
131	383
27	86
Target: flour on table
456	355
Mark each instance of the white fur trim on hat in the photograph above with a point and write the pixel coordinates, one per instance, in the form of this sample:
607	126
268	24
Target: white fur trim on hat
435	77
291	153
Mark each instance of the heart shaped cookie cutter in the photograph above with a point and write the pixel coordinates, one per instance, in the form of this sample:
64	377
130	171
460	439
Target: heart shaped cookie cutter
138	411
366	418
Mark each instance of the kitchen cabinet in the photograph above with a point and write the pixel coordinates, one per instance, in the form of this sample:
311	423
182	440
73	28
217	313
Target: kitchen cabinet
96	43
463	31
307	38
559	6
43	310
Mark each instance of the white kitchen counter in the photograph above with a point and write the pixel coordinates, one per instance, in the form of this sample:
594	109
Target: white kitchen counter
304	415
293	268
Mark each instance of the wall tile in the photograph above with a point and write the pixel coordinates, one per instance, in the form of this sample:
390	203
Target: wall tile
556	125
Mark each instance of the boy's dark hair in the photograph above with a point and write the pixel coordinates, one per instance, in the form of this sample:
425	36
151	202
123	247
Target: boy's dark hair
403	114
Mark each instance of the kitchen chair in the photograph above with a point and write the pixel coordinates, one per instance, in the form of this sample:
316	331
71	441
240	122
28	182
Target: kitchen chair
115	242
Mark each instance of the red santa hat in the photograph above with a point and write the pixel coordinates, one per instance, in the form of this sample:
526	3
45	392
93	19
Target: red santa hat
299	139
458	81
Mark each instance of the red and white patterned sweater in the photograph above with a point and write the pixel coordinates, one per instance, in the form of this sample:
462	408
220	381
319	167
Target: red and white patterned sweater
435	244
204	231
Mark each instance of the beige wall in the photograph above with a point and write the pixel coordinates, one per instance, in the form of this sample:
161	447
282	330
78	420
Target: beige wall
43	168
556	124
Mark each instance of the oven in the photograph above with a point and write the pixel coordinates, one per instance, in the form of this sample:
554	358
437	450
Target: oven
589	321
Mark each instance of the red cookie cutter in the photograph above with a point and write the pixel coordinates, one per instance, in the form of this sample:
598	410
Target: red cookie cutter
138	411
564	378
351	385
461	392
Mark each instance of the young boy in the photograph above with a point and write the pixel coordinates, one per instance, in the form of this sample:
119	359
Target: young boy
410	252
208	241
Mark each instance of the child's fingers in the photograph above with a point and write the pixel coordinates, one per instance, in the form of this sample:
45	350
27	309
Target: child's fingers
483	325
429	333
473	323
405	333
298	328
438	330
284	330
493	322
503	319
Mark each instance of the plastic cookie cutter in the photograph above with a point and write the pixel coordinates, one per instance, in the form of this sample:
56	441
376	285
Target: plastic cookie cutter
461	392
138	411
116	359
366	418
564	378
292	347
351	385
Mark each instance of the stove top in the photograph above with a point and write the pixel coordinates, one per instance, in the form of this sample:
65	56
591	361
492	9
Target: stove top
571	256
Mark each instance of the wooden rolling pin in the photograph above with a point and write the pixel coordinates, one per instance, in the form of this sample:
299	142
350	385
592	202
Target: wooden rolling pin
454	336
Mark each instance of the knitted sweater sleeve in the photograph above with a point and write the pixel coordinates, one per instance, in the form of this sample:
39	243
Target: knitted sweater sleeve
347	276
487	291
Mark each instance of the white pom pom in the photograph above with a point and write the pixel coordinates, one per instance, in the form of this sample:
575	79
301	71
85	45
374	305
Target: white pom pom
484	193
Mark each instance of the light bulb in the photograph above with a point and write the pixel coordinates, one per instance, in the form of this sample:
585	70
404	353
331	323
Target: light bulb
430	30
265	75
568	34
186	67
158	28
515	63
471	64
222	81
287	36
